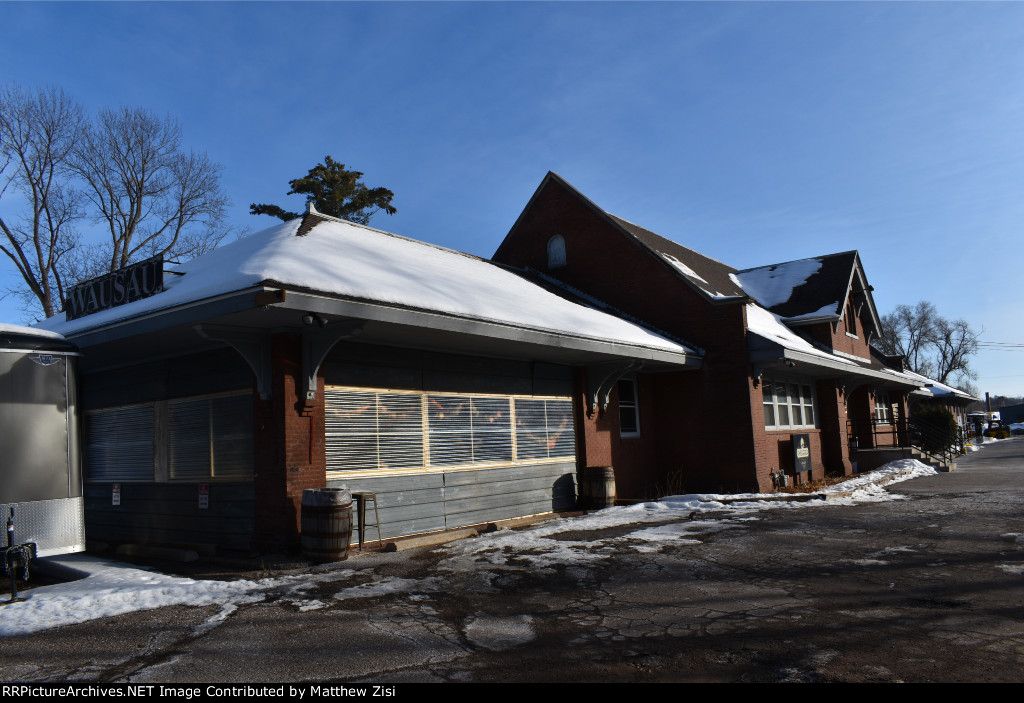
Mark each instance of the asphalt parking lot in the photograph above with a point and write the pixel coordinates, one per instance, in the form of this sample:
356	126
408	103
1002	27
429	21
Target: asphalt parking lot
924	588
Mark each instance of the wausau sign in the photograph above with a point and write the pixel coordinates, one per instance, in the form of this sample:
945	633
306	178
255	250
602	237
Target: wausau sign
126	285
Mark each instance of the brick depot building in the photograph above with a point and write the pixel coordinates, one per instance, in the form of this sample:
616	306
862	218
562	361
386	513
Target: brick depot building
464	391
324	353
785	349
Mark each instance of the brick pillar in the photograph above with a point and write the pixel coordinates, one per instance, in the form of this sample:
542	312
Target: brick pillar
593	433
835	442
290	450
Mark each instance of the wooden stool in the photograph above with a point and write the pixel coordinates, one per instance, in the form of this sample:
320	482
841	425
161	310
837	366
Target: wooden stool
361	497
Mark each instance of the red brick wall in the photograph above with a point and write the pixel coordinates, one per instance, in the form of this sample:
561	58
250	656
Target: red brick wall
290	449
838	337
700	423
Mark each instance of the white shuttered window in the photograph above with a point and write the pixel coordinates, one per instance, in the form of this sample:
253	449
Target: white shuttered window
382	430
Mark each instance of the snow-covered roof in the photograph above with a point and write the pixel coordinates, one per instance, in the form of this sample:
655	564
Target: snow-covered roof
774	285
811	290
934	389
770	327
708	275
350	261
28	331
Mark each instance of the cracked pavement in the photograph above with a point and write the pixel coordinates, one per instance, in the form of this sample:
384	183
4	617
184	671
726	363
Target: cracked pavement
928	588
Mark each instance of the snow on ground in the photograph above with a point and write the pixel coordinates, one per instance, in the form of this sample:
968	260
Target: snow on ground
110	588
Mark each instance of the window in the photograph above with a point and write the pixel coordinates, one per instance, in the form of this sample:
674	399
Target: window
882	412
544	428
210	438
788	404
185	439
629	410
851	320
466	429
119	443
381	430
556	252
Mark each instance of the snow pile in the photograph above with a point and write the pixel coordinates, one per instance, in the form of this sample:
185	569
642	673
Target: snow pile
544	546
110	588
352	261
773	285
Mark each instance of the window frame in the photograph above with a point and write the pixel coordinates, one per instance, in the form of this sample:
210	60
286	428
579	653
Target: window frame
630	404
802	404
883	408
557	257
215	454
161	438
119	474
487	442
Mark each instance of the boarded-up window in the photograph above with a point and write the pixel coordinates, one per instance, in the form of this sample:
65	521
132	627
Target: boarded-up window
119	444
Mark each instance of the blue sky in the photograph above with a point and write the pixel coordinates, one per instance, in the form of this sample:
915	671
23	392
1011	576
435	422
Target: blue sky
755	133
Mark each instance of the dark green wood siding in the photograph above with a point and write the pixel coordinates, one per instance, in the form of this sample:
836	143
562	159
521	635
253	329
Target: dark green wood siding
169	513
444	500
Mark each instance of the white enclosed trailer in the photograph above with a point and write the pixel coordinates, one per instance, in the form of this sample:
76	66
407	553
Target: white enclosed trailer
40	457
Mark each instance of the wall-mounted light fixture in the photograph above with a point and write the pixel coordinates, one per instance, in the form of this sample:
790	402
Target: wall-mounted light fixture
311	318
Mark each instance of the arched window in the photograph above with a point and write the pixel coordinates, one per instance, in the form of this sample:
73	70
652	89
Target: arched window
556	252
851	319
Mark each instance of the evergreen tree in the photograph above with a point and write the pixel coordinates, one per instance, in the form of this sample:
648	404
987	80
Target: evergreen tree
335	191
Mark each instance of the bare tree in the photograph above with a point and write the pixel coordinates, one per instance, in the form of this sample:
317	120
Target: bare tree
933	346
955	344
38	133
151	197
909	332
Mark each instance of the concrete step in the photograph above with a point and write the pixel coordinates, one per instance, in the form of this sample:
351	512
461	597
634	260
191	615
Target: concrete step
936	464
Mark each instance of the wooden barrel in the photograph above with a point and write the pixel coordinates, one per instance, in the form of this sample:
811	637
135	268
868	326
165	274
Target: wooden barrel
599	486
326	523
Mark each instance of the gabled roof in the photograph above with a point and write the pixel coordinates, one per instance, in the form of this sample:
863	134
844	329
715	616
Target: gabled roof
708	275
810	290
374	270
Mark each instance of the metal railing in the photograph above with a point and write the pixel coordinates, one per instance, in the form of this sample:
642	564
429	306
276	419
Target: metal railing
906	434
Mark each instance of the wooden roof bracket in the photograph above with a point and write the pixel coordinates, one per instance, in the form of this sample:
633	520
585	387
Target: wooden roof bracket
847	384
252	345
601	378
317	344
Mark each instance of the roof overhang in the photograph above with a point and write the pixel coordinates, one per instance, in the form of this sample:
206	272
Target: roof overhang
768	355
270	309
